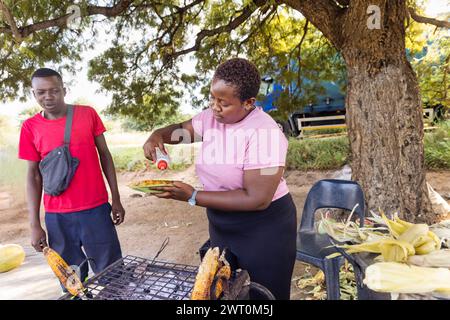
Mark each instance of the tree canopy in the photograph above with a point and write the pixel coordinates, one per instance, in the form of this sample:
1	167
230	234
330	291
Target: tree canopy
142	65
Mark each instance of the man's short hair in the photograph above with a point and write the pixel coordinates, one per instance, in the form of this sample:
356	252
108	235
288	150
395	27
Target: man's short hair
46	72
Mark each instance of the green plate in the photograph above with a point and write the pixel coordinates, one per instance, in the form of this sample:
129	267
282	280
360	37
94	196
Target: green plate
145	189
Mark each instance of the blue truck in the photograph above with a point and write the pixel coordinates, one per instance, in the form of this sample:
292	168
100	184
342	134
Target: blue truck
330	103
327	109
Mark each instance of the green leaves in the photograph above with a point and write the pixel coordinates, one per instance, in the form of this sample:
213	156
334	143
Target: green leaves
141	70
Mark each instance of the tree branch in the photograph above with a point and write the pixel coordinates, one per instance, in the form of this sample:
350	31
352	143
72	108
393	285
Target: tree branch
258	25
422	19
178	8
12	23
61	22
299	57
233	24
324	14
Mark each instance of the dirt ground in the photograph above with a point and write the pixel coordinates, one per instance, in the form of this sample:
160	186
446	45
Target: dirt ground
150	220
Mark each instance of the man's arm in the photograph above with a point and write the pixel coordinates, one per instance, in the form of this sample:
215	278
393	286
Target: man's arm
109	170
34	196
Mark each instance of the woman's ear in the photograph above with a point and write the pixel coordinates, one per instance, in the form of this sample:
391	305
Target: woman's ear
249	104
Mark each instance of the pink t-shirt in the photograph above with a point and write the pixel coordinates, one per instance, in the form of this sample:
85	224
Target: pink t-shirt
227	150
39	136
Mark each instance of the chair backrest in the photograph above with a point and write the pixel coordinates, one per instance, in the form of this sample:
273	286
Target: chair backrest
332	193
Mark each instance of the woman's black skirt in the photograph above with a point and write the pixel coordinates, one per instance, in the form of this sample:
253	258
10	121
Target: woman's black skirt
261	242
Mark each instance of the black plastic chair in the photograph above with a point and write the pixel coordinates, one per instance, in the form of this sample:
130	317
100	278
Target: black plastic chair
313	248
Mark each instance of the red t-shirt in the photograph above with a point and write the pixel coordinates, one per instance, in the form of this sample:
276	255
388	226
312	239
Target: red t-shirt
39	136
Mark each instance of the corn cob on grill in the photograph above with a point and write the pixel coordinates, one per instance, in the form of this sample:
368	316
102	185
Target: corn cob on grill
66	275
212	277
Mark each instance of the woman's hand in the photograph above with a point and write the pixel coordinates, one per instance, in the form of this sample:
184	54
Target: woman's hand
179	191
154	141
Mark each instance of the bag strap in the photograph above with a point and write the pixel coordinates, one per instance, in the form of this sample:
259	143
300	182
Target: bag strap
69	120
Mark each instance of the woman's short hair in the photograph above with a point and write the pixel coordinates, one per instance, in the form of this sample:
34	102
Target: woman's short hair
242	74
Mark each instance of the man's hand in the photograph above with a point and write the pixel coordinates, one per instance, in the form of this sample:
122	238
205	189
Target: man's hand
118	212
180	191
38	238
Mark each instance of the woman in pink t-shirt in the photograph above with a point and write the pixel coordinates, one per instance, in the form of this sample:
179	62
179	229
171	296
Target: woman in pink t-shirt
240	165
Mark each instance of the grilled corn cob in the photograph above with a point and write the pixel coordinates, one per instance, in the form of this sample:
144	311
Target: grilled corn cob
223	275
205	275
66	275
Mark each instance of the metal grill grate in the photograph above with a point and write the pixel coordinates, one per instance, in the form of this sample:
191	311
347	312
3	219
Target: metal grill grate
134	278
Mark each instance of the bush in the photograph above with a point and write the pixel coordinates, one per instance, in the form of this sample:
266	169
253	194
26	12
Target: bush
318	154
306	154
132	159
437	147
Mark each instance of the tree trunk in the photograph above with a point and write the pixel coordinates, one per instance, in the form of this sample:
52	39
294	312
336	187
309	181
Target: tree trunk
384	109
384	114
385	124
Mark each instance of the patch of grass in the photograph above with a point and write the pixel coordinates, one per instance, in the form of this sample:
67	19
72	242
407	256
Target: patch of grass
317	154
13	170
9	133
437	147
307	133
132	158
334	152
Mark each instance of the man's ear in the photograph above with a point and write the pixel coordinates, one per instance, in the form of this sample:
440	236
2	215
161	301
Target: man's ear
65	91
249	104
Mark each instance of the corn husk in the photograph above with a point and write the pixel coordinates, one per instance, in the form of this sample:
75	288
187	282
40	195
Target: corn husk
395	250
442	230
404	239
402	278
313	286
438	258
350	231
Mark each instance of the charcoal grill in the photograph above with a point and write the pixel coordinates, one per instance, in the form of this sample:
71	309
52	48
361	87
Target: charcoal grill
134	278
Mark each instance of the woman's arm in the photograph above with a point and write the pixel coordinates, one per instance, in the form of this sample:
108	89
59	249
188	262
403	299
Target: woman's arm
172	134
257	193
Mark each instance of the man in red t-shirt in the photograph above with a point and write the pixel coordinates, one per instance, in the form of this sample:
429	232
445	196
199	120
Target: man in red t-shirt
80	217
